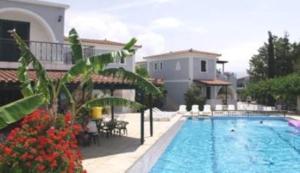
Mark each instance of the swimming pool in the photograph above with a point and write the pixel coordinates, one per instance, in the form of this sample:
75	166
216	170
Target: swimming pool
232	145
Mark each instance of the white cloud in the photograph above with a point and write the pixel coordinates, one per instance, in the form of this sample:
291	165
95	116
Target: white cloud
97	25
134	4
166	23
94	25
152	43
163	1
100	26
238	56
198	29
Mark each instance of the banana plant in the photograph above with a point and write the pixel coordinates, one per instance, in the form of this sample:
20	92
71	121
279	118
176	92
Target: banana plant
13	112
84	68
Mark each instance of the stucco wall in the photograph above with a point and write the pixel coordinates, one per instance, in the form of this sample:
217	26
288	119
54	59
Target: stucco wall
169	70
210	73
175	94
129	61
47	13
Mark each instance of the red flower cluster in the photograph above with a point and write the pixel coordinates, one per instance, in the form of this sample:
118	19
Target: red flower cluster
42	144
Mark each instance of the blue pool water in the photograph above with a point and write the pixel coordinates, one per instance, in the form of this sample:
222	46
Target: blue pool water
209	146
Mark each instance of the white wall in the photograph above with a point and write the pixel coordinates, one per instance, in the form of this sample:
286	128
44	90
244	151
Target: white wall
38	32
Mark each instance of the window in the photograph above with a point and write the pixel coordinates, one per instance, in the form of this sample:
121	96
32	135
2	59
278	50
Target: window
122	60
158	66
155	67
203	66
178	67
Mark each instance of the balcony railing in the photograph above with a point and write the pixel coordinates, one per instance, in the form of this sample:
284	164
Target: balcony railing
226	75
46	52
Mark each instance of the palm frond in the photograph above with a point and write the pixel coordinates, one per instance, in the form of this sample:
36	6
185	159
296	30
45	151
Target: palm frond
95	63
111	101
75	46
14	111
134	79
26	59
68	94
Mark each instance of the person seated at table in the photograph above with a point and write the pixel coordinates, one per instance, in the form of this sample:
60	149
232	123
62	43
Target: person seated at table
92	130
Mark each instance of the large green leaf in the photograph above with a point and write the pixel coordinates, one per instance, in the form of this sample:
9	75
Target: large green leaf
68	94
14	111
97	63
111	101
75	46
133	78
27	59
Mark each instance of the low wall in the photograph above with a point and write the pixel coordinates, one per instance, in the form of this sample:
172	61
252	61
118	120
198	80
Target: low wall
147	161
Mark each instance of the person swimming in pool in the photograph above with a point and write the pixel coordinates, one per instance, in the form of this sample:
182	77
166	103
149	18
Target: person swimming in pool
232	130
261	122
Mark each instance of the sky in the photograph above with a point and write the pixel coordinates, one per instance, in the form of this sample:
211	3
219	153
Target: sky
233	28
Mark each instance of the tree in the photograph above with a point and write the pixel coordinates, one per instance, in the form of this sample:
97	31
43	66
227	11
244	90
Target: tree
193	96
295	48
47	91
275	58
282	89
142	71
271	58
157	101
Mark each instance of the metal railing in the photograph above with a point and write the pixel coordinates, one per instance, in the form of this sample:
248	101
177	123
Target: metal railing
46	52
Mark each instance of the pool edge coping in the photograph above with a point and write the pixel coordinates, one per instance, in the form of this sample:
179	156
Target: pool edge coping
146	161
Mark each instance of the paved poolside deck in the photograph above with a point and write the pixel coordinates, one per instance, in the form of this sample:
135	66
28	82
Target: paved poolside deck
117	153
294	117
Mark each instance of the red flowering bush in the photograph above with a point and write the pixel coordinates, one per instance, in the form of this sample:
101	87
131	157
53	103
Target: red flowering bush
42	143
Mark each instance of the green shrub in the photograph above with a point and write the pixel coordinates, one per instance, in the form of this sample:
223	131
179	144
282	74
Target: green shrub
193	96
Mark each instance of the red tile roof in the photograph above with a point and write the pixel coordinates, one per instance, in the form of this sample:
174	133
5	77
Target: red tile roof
10	76
157	81
216	82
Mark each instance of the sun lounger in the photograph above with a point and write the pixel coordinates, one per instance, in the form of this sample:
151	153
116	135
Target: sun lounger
159	115
206	110
219	109
231	109
182	109
195	110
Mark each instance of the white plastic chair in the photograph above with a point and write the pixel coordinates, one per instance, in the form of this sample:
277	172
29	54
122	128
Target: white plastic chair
231	108
182	109
159	115
206	110
219	107
195	110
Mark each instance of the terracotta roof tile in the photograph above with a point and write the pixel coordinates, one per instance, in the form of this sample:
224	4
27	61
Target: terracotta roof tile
157	81
10	76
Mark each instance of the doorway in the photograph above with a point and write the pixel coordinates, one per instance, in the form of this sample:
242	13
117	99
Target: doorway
8	48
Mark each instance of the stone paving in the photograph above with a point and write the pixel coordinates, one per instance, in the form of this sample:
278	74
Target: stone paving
117	153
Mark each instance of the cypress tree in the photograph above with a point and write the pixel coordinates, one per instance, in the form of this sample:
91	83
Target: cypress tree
271	57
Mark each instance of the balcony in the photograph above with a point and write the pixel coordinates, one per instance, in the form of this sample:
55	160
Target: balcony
45	52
